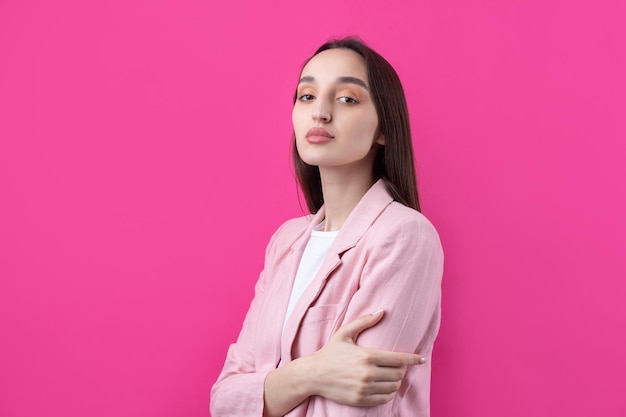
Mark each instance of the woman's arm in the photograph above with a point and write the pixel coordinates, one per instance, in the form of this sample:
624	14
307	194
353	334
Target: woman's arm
340	371
238	390
403	277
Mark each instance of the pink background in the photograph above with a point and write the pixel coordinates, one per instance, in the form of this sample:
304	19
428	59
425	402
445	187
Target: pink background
144	163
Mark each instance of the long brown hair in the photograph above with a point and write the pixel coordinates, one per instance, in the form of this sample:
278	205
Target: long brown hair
394	161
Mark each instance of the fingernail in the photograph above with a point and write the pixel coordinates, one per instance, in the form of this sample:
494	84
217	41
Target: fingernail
377	312
422	360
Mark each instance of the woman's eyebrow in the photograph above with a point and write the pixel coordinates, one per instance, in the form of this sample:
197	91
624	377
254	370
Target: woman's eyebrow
340	80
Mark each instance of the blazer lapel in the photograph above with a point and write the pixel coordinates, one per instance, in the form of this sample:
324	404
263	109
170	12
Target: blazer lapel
289	271
310	294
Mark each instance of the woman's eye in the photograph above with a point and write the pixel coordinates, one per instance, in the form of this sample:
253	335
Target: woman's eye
346	99
306	97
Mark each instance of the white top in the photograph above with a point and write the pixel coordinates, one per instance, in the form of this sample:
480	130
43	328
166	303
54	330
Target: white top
312	259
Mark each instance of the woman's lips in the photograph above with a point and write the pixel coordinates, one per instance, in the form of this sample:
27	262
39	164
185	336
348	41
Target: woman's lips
318	135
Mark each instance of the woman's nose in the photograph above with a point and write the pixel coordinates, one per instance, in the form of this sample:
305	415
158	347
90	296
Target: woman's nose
322	112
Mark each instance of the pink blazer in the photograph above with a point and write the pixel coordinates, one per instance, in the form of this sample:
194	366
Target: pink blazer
386	256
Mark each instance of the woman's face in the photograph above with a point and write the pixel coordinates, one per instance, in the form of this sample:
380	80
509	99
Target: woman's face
334	117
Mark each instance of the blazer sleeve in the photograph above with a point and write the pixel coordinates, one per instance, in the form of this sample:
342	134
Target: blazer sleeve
239	389
402	276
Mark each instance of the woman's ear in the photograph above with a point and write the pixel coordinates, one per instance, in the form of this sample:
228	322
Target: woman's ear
380	139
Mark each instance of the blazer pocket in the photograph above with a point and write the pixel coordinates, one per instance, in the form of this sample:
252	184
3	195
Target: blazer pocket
315	329
319	313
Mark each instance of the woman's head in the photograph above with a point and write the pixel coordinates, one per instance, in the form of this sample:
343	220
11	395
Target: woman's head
391	146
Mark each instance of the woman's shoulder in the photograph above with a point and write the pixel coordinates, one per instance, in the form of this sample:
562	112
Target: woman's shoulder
288	232
398	213
294	226
398	219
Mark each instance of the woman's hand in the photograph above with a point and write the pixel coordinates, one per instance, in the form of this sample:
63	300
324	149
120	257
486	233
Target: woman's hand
348	374
341	372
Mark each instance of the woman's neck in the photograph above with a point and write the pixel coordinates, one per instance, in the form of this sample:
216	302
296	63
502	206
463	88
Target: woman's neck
342	190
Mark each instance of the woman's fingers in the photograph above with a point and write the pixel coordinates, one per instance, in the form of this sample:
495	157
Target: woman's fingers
351	331
386	374
355	327
385	387
394	359
377	399
375	393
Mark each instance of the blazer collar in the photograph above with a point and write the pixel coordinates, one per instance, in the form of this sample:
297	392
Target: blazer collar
371	205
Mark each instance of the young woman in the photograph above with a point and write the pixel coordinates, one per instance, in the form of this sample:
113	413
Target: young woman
346	310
